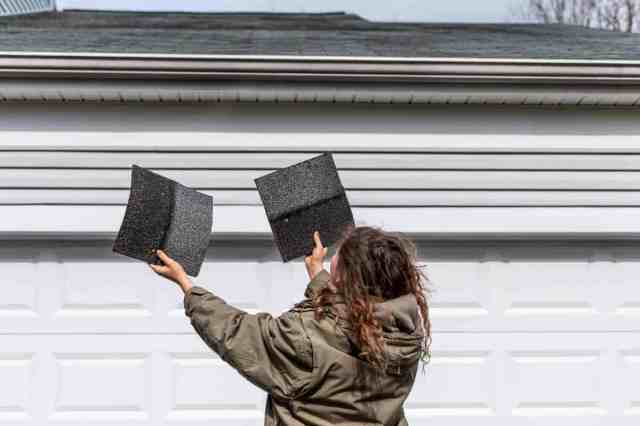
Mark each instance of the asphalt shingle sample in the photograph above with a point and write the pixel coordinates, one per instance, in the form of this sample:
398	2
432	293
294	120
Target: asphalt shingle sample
163	214
324	34
304	198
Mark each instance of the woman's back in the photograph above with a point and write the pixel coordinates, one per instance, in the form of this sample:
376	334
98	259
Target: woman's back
310	367
347	390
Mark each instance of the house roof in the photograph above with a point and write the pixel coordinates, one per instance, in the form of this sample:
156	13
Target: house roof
293	34
327	57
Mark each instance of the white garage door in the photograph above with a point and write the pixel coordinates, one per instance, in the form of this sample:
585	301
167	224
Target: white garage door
525	334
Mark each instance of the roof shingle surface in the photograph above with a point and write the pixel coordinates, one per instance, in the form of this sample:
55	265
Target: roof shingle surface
328	34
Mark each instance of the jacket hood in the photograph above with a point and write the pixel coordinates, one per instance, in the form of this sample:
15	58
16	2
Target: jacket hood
402	330
401	326
399	314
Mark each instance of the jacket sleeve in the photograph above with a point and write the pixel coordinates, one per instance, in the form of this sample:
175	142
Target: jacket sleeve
274	353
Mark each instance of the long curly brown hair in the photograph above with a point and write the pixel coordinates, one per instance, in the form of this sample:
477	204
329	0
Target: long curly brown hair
371	265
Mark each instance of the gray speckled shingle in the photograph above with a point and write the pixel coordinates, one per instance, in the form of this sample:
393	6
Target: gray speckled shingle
299	186
330	34
147	216
187	238
303	198
164	214
294	233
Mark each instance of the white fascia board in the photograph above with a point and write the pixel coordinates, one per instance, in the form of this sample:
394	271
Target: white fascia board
63	77
318	142
87	222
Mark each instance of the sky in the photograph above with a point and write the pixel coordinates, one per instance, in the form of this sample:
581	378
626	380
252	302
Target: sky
387	10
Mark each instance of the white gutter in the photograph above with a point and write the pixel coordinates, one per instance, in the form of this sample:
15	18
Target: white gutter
70	65
312	78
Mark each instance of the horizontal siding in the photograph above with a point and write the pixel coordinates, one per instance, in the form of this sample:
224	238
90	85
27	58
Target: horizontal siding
388	156
352	179
78	222
346	161
316	139
365	187
375	198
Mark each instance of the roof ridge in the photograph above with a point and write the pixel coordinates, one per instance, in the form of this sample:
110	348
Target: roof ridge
240	13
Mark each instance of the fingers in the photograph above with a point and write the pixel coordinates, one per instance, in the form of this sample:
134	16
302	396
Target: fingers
172	268
162	270
164	257
316	238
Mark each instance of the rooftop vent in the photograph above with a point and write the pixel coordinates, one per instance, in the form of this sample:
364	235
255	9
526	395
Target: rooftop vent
22	7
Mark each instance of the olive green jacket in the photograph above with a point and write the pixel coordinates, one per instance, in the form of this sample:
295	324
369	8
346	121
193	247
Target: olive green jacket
309	367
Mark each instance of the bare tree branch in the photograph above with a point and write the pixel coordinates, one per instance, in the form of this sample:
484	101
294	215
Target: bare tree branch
614	15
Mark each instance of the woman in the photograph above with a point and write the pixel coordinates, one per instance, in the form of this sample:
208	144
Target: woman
347	354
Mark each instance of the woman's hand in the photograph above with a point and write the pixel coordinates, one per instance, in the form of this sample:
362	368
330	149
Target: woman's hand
172	270
314	263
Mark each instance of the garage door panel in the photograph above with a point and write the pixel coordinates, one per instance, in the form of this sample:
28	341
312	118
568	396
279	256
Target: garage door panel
621	289
254	285
629	361
20	291
546	378
525	334
94	386
564	288
544	295
245	285
86	294
488	420
459	290
567	294
545	375
556	381
121	379
16	371
100	291
87	288
456	383
557	294
206	388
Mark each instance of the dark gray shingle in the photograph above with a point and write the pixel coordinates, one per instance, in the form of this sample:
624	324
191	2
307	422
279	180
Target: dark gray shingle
329	34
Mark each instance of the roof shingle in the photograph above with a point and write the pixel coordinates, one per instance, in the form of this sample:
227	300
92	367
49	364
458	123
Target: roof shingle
325	34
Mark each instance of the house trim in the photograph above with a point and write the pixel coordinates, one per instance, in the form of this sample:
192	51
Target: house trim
29	76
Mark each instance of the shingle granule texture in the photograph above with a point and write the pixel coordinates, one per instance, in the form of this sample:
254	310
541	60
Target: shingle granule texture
304	198
163	214
187	238
147	216
304	34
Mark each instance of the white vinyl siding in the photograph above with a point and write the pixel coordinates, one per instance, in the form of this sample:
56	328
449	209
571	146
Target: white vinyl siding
388	156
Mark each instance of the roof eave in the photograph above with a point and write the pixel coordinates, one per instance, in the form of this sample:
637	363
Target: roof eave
363	77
